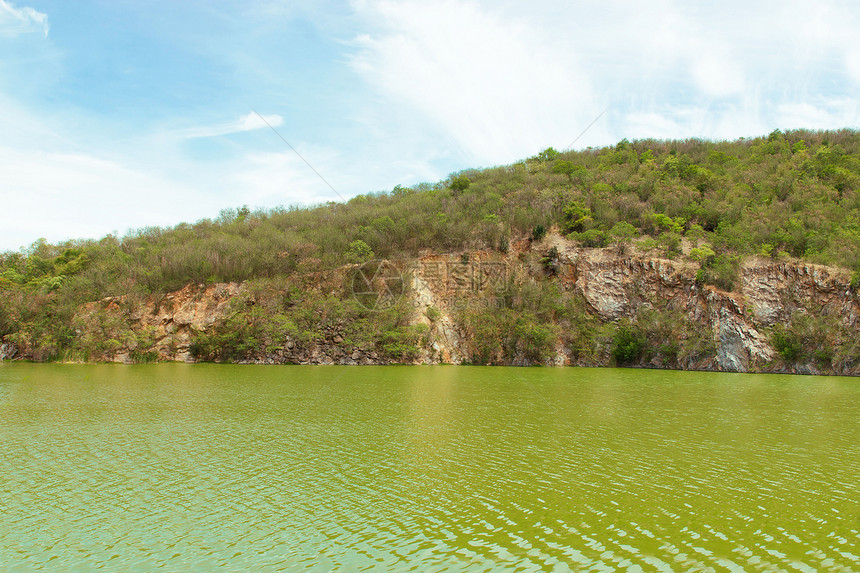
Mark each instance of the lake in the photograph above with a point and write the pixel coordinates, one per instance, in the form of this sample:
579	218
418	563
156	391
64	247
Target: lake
425	468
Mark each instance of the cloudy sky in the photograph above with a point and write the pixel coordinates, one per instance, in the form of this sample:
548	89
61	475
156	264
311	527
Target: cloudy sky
119	114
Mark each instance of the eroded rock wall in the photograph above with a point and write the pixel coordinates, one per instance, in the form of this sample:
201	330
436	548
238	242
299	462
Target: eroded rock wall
615	286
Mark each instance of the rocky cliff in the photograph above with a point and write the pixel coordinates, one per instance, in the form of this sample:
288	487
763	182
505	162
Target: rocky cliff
735	331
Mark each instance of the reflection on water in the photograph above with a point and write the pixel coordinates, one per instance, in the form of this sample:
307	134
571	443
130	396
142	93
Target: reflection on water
425	468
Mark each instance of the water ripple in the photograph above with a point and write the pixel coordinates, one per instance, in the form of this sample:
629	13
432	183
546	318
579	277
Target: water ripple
425	469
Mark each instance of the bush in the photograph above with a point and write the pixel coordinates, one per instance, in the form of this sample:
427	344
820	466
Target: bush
622	233
577	217
812	339
433	314
702	255
786	343
551	260
592	238
548	154
359	252
460	184
500	335
722	271
573	171
628	344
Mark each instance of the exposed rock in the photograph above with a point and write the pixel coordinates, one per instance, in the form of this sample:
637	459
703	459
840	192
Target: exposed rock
8	351
604	289
740	345
616	287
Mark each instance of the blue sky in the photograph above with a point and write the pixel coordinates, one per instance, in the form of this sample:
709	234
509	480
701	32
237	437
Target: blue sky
116	114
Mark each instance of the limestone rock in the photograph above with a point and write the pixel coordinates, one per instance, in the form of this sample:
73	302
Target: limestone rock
615	287
8	351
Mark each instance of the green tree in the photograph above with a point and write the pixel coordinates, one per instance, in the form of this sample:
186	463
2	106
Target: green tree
703	254
359	252
622	233
577	217
570	169
548	154
460	183
628	344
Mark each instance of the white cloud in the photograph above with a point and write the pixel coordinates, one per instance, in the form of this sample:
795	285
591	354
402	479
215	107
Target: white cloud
14	21
852	63
500	80
655	125
248	122
445	85
718	75
491	84
61	195
827	114
270	179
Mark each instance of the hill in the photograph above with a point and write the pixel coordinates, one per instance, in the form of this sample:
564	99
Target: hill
711	210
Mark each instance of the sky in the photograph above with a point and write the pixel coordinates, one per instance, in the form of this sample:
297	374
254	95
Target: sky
117	115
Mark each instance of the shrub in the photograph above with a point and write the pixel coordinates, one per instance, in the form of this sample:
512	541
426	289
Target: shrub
538	233
570	169
534	339
722	271
577	217
670	244
402	342
548	154
432	313
551	260
592	238
359	252
702	255
786	343
628	344
460	184
622	233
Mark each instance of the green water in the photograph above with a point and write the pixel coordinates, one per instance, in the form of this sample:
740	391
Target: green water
241	468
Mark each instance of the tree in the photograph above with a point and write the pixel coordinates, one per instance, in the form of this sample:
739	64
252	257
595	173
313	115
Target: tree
568	168
576	217
696	233
359	252
665	222
703	254
242	213
622	233
628	344
548	154
460	184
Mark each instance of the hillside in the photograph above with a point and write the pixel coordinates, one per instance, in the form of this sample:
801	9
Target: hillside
512	248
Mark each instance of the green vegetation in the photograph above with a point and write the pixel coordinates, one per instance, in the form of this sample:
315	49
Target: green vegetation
814	339
628	344
520	321
662	338
272	315
792	194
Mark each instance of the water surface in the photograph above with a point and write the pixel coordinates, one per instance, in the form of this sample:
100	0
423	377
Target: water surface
236	468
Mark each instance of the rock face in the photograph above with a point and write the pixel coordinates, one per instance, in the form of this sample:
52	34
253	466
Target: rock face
771	293
165	325
739	345
8	351
616	287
